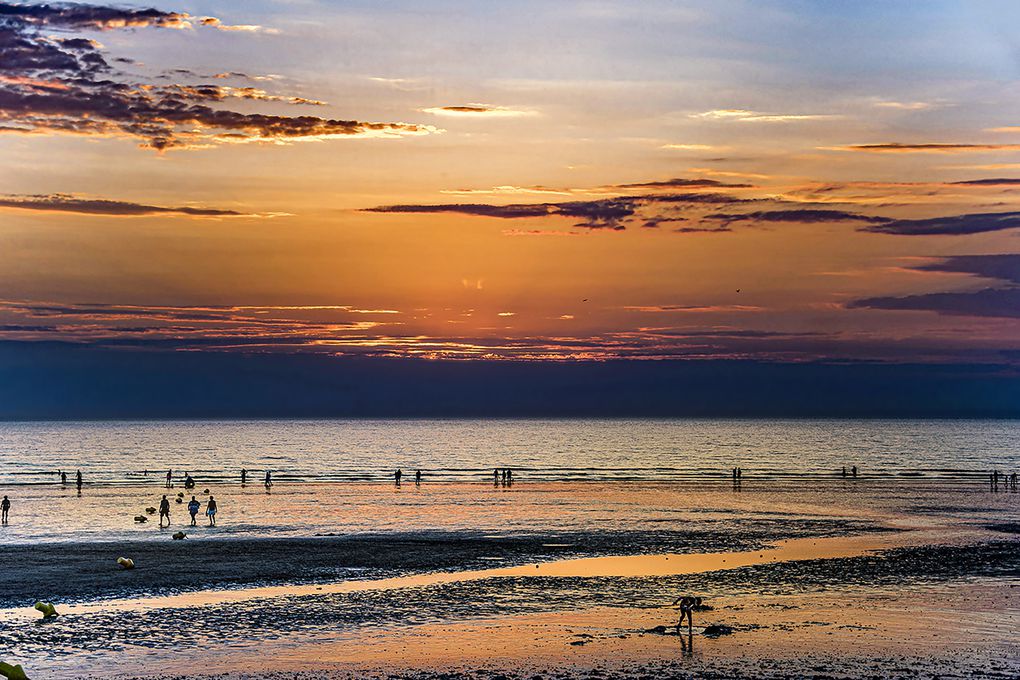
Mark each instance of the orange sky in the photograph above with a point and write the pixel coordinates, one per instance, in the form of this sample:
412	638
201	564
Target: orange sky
584	181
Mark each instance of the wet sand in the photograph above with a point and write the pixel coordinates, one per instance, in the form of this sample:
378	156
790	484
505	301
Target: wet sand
82	571
926	590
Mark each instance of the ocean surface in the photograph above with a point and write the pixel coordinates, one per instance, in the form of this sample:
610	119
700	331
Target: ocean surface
337	475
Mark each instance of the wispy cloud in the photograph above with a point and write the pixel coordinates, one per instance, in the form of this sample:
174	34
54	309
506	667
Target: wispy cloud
952	225
81	205
478	110
925	147
746	116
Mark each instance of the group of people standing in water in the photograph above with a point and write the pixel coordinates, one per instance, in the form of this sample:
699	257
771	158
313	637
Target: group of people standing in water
193	507
1009	481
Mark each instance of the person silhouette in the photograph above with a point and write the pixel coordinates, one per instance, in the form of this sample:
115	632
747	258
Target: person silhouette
495	476
244	476
687	605
210	511
417	477
396	477
63	478
189	483
5	508
853	471
164	511
193	507
169	478
269	479
78	480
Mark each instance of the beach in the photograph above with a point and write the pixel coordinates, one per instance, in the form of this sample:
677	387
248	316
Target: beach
898	572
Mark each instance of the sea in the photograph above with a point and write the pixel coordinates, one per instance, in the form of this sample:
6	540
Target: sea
337	476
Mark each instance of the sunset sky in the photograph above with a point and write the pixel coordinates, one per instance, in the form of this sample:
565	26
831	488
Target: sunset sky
777	182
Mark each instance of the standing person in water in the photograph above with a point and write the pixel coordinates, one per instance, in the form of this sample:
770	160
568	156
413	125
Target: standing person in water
244	476
853	472
193	509
77	480
269	479
5	507
63	478
210	510
397	475
417	477
169	478
495	476
164	511
509	476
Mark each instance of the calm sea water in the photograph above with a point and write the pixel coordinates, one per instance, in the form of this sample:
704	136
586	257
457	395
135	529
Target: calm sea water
336	476
110	453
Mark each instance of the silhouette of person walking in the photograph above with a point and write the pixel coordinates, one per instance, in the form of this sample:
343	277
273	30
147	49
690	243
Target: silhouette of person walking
164	511
269	479
193	509
210	510
77	480
5	508
396	477
169	478
495	476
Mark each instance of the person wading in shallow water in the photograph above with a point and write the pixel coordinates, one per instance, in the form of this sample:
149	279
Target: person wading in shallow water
5	507
164	511
77	480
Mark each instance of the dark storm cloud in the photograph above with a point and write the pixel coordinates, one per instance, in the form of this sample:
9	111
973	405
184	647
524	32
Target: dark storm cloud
953	225
50	84
99	206
806	216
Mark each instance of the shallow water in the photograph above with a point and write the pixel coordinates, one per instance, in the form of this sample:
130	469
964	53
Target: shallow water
468	450
624	475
